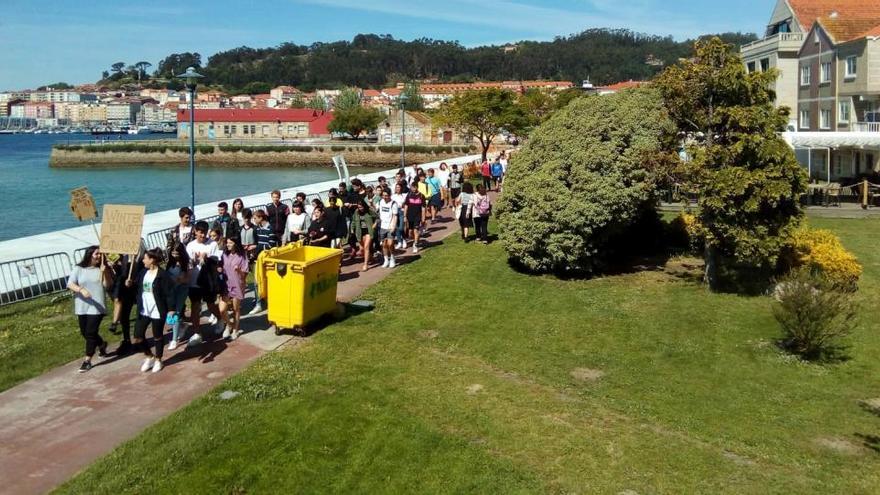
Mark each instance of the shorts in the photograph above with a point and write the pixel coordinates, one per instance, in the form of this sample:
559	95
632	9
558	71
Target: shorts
386	234
456	192
414	219
436	201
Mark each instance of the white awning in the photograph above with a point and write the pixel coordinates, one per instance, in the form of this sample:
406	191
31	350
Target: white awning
832	140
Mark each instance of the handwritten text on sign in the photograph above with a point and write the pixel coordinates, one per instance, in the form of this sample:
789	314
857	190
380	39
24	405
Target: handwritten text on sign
82	204
121	229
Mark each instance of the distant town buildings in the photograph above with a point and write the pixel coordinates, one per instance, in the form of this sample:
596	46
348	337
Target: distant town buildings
826	53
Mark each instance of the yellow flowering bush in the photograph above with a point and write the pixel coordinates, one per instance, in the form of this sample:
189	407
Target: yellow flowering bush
821	251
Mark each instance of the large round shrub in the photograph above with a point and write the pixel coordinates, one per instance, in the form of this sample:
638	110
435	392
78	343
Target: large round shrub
582	181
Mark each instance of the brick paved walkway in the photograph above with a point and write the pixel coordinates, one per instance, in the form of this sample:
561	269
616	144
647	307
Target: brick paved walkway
55	425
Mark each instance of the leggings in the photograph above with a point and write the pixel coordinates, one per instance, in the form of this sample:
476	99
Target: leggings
481	224
126	303
180	293
140	333
487	182
88	327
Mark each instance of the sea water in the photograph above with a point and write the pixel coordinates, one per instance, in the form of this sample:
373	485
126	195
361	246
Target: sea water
35	199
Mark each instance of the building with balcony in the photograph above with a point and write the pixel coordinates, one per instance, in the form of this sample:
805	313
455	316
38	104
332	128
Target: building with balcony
827	53
838	125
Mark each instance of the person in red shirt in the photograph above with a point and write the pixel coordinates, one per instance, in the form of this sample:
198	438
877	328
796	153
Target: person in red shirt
486	173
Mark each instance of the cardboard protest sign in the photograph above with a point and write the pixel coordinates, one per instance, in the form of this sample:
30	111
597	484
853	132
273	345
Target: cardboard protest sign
121	227
82	204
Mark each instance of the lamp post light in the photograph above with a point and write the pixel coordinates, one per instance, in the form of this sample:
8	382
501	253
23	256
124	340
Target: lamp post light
401	100
192	78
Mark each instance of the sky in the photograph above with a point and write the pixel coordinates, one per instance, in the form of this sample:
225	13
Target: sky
47	41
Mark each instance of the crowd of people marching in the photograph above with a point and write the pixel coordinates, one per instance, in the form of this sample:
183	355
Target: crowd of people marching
208	264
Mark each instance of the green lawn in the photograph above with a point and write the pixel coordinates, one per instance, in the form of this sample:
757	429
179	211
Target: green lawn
471	378
38	335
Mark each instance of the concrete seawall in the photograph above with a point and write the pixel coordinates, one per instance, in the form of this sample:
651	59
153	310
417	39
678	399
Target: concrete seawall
79	158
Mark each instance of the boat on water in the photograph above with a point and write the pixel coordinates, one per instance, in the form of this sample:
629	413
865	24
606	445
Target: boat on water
98	131
140	130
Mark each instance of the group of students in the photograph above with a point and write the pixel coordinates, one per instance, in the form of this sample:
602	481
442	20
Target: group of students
209	263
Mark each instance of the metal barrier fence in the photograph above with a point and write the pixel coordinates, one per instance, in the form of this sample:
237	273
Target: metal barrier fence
28	278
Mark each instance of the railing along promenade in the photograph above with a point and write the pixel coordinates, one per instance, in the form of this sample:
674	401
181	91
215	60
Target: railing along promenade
38	265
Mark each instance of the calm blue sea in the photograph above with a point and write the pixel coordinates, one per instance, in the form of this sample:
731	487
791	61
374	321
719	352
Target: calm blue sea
34	198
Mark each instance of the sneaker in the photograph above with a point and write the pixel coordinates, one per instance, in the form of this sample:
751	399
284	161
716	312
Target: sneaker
227	332
85	366
148	363
392	263
195	340
102	349
212	320
172	345
403	244
415	249
157	366
385	264
257	309
236	334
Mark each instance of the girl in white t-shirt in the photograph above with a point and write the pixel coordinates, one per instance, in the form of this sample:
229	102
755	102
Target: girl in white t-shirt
399	196
442	174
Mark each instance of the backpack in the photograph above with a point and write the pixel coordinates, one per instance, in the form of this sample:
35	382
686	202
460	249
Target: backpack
484	207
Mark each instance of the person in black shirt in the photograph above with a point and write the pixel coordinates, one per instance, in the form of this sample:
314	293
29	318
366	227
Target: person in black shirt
277	213
320	231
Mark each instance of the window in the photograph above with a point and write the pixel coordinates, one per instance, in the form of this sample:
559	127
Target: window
265	130
245	128
765	64
805	119
226	130
805	75
826	73
852	66
825	119
290	129
253	129
751	67
234	129
843	112
302	130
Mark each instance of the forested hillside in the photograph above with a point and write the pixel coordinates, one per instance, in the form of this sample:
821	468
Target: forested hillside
370	60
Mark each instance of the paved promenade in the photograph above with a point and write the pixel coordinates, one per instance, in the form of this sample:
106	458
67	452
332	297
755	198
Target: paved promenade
55	425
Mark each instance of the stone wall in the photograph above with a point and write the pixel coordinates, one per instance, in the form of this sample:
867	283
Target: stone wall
62	158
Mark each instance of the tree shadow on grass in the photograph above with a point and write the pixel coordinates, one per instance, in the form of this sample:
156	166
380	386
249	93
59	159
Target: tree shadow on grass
870	441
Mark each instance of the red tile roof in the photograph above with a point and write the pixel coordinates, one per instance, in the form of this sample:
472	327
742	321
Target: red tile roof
623	85
843	20
318	121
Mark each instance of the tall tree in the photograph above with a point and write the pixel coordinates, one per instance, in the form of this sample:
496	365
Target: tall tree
483	114
142	69
117	67
348	99
413	94
317	103
747	178
354	121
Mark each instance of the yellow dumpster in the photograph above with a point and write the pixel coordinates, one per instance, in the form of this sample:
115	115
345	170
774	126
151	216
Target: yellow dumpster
299	283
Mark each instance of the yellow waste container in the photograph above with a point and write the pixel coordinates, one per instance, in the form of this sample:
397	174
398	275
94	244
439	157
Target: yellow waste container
298	283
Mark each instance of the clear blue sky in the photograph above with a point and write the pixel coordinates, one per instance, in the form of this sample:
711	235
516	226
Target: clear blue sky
55	40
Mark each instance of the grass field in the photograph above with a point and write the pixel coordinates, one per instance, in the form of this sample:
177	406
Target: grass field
471	378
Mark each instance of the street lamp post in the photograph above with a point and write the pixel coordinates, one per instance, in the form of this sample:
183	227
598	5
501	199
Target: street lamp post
192	78
402	99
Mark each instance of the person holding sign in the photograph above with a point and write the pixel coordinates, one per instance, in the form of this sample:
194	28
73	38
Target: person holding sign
88	282
155	300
